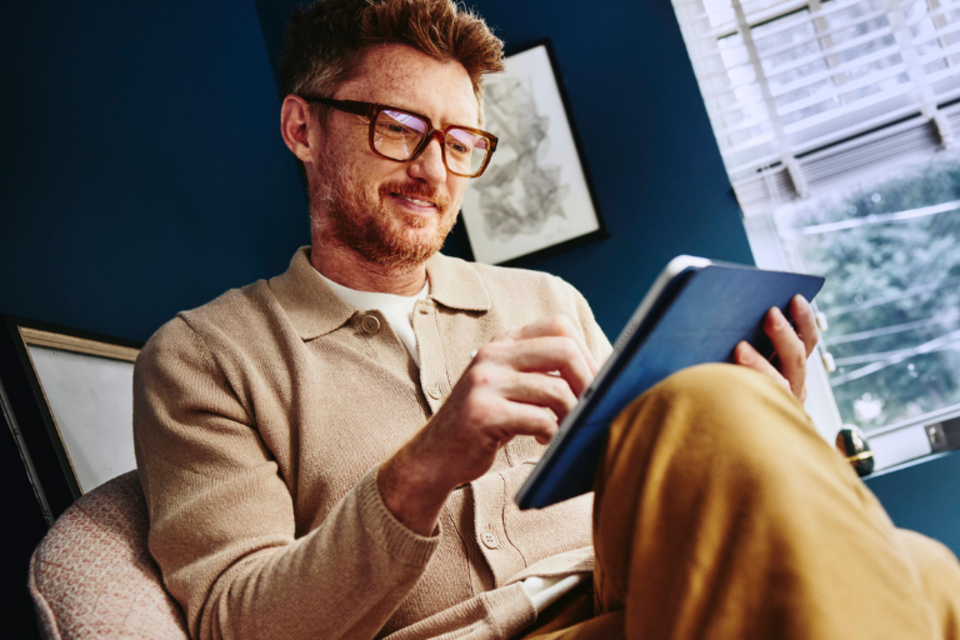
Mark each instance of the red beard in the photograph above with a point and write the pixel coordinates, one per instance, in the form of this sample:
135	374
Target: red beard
362	223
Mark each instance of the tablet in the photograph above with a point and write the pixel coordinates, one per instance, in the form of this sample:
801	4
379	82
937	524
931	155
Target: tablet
696	312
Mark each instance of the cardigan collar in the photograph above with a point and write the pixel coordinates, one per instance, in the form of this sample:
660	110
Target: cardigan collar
315	310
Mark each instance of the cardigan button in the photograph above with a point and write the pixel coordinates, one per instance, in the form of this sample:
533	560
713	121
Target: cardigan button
489	539
433	391
370	324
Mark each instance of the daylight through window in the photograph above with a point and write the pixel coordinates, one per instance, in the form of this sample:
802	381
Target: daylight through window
836	122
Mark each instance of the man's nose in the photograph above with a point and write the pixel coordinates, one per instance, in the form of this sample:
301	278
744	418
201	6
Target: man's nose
429	164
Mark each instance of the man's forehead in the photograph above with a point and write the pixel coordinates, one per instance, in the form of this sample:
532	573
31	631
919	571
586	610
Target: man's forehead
402	76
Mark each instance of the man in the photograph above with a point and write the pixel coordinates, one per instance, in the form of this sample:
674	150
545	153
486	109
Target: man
333	453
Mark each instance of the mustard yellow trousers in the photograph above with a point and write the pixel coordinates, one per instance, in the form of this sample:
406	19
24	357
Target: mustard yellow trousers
721	513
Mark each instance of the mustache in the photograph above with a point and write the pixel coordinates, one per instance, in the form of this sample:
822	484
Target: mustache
418	190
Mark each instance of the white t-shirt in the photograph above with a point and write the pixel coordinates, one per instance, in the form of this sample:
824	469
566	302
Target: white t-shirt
398	310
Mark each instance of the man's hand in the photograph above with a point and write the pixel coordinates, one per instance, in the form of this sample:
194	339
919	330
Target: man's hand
524	382
792	347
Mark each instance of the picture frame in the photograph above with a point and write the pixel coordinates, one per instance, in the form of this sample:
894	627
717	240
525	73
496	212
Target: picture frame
67	399
536	197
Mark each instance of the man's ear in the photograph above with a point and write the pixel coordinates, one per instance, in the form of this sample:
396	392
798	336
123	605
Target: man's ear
295	126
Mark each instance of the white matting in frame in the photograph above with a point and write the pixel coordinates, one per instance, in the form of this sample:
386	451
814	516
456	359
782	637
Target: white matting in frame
535	194
91	399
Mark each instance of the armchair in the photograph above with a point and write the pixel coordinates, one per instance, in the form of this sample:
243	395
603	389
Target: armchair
92	575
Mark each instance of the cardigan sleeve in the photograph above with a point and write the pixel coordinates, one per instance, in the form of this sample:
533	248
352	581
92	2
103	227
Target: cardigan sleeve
222	524
593	335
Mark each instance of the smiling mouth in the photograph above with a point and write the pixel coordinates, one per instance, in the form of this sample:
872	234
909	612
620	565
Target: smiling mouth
417	198
416	201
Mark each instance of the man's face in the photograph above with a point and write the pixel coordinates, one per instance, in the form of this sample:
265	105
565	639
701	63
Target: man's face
391	213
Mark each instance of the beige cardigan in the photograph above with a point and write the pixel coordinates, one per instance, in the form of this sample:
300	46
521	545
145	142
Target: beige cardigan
260	419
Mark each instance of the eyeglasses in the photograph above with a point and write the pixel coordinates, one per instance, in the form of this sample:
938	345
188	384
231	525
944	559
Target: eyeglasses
400	135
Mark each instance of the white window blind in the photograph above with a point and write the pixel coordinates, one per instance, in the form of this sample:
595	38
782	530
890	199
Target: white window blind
801	93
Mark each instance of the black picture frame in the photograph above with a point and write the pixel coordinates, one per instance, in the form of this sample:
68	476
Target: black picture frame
71	362
558	207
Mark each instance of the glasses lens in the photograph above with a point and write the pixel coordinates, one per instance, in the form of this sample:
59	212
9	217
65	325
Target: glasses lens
465	151
396	134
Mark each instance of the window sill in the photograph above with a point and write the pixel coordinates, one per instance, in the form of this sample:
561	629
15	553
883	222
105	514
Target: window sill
931	458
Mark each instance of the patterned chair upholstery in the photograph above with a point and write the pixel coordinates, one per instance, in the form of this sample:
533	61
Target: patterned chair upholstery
92	575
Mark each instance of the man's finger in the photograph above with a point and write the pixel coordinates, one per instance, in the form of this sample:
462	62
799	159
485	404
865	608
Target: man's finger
790	349
552	354
520	419
541	390
744	354
556	326
805	321
539	422
499	363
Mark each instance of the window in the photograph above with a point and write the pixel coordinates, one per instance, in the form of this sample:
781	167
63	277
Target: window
836	121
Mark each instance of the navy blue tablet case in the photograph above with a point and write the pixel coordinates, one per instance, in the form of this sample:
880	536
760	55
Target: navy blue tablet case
702	314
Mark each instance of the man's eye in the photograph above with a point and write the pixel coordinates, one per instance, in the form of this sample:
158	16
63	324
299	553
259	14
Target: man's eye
393	128
458	147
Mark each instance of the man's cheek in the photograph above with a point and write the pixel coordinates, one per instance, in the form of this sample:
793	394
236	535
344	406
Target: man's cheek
457	200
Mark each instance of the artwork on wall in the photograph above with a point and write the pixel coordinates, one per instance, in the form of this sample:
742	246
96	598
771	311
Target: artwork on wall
67	398
536	197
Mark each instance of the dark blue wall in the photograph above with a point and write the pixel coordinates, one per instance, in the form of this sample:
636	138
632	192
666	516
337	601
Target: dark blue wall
141	166
922	496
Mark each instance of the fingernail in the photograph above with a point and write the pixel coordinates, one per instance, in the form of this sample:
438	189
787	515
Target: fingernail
778	319
743	354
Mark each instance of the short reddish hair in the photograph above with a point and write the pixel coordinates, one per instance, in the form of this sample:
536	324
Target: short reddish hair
324	41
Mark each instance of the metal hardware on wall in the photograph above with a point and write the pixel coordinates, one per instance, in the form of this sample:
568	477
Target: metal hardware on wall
944	435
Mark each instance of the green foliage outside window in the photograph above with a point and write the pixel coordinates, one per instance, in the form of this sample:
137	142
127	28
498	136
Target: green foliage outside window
890	250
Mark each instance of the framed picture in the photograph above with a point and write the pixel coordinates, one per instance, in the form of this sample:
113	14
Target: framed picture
536	197
67	399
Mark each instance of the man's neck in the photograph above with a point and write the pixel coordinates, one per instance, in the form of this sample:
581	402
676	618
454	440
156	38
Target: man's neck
344	266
